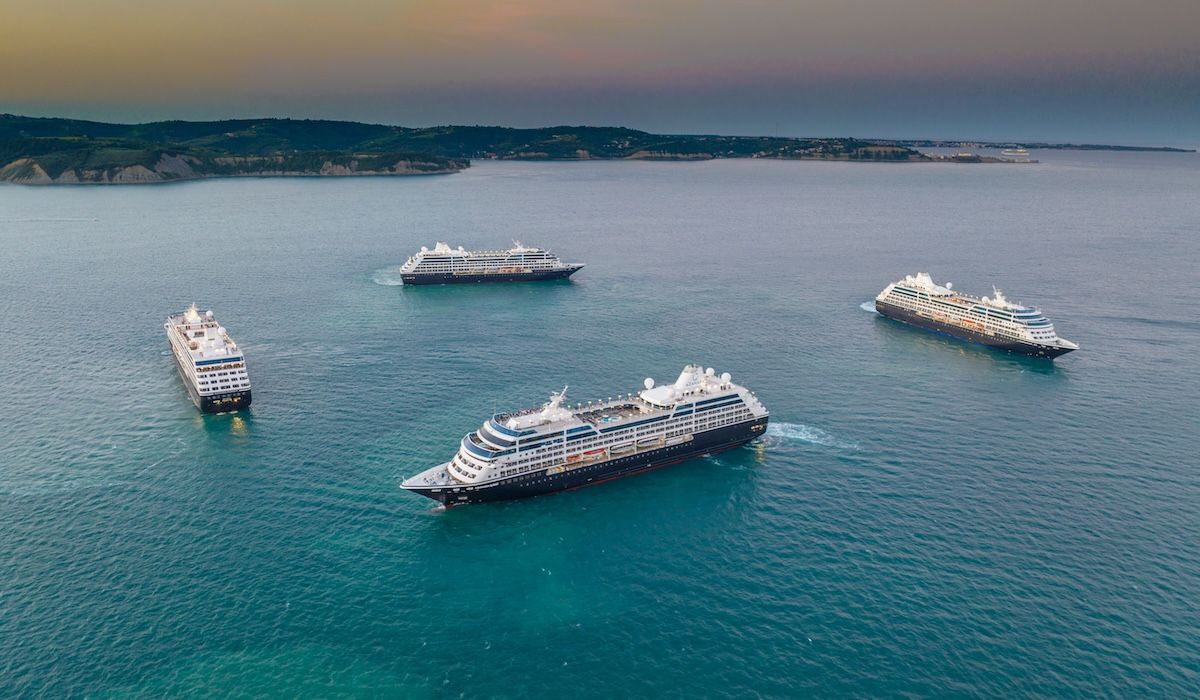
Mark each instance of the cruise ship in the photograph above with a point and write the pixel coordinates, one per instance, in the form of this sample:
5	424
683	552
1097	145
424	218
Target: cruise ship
446	265
994	321
556	447
1017	155
212	366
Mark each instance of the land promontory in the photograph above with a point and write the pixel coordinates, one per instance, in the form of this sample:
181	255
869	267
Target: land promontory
42	151
37	150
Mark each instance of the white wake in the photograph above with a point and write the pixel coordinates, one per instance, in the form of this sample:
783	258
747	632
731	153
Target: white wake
388	276
796	432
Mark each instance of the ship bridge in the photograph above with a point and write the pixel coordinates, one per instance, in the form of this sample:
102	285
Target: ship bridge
694	380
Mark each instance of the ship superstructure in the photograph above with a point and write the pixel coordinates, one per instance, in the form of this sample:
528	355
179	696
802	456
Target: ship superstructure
446	265
992	321
211	364
556	447
1019	155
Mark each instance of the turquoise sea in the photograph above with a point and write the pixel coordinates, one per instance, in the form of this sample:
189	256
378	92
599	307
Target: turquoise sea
924	518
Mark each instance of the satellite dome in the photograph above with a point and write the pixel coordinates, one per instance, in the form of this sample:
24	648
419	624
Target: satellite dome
726	377
208	313
649	383
709	372
949	285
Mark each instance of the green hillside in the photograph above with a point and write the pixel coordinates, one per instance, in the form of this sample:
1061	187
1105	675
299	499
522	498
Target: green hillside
36	149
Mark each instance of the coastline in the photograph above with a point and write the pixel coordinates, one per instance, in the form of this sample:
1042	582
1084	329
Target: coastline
53	151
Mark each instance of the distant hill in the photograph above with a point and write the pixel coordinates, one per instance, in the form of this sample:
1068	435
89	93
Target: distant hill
37	150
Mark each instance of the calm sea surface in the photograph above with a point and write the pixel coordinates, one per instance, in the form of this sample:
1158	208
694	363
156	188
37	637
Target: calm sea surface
923	518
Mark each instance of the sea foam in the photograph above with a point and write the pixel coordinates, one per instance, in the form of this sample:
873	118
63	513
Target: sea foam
387	276
797	432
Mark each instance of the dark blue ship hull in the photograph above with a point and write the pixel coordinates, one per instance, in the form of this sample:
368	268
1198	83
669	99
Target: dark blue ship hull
541	482
1006	344
450	278
225	403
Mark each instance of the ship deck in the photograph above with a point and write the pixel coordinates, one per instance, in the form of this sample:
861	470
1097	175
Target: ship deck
611	413
209	346
431	478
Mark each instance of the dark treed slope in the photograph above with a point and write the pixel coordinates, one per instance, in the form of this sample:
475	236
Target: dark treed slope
41	151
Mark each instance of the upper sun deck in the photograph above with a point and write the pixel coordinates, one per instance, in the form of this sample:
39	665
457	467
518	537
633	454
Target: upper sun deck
596	413
204	338
923	282
442	249
694	384
614	411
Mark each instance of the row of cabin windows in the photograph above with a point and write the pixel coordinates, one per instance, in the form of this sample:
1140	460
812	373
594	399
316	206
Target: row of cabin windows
719	421
226	374
230	380
540	457
516	476
215	368
998	323
478	264
620	435
485	260
223	382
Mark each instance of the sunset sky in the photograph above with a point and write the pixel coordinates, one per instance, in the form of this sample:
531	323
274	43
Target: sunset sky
1095	70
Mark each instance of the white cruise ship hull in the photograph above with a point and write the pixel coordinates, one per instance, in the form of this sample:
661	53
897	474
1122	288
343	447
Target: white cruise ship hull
640	458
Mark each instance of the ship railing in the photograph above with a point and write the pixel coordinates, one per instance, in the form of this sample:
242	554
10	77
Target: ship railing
500	417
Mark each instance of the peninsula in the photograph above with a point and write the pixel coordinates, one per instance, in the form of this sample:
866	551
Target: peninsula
37	150
42	151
